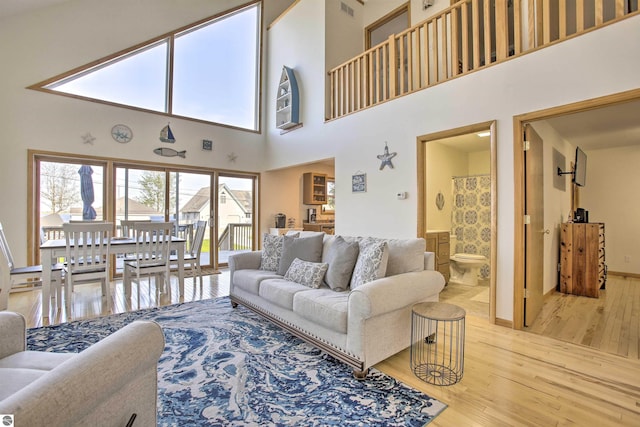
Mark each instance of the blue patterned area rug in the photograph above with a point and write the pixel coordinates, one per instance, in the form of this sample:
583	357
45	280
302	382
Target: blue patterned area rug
225	366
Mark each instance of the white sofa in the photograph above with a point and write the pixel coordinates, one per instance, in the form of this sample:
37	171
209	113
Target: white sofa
360	326
104	385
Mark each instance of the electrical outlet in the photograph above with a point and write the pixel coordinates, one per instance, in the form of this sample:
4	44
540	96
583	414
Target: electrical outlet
627	259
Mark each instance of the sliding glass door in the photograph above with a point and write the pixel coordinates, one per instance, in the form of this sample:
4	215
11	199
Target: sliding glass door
70	187
190	202
235	215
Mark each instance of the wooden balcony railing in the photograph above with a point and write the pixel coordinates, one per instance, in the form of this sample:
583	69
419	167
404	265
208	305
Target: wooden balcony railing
236	237
470	35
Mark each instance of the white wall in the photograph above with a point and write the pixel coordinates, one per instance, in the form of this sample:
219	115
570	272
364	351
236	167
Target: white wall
611	196
557	75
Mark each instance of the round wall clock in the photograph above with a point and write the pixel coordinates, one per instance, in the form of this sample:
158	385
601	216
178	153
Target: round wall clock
122	133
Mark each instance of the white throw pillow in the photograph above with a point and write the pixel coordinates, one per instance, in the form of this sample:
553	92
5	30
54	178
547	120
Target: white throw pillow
306	273
371	263
272	251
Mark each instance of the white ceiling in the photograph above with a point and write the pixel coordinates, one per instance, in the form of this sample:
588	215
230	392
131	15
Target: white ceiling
14	7
613	126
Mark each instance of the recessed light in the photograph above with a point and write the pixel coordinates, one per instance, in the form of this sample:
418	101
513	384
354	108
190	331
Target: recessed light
483	134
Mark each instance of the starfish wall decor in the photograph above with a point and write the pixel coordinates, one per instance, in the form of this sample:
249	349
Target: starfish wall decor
87	138
386	157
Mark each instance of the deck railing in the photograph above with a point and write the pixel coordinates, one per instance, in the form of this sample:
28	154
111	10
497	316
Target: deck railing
469	35
236	237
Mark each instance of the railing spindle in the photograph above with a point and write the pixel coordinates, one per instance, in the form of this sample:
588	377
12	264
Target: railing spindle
580	16
486	30
546	21
517	27
502	30
599	12
445	47
475	32
562	18
455	53
465	37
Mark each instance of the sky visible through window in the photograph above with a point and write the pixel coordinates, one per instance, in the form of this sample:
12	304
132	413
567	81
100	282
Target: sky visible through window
215	74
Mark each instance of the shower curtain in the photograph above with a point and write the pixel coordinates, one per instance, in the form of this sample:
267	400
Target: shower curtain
471	217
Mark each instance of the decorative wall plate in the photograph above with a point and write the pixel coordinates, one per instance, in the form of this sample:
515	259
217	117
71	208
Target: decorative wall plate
122	133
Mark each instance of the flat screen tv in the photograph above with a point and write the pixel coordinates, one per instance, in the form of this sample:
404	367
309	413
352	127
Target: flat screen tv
580	168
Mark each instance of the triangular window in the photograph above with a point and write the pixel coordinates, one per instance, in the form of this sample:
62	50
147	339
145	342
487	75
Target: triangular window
208	71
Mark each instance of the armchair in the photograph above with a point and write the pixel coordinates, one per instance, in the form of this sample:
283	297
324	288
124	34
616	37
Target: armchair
103	385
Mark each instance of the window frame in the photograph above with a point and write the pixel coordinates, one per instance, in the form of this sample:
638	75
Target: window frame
169	39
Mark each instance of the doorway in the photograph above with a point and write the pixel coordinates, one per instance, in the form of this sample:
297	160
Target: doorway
457	201
604	124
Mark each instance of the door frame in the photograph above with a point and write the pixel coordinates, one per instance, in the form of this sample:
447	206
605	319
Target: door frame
421	142
405	7
519	182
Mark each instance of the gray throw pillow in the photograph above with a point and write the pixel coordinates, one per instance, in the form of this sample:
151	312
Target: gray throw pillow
341	257
305	248
371	263
306	273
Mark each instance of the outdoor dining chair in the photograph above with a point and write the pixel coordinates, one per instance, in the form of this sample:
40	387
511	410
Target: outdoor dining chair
153	240
88	246
23	278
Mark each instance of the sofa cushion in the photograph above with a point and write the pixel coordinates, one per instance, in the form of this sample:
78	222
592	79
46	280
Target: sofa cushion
14	379
306	273
280	291
405	255
341	257
323	306
371	263
249	280
272	250
304	248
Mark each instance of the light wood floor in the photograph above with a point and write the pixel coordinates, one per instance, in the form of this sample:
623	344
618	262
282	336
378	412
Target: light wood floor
610	323
511	378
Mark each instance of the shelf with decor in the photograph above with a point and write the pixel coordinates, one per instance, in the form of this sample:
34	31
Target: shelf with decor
287	101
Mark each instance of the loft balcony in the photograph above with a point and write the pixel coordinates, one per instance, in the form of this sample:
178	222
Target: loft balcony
470	35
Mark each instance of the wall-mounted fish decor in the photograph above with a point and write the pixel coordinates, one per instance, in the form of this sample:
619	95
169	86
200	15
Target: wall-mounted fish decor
166	135
170	152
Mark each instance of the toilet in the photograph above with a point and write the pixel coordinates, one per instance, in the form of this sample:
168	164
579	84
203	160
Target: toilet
464	268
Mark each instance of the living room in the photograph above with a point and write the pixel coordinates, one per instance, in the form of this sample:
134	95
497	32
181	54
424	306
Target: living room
65	35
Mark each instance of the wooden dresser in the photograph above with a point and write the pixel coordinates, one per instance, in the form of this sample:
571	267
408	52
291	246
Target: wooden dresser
582	267
438	242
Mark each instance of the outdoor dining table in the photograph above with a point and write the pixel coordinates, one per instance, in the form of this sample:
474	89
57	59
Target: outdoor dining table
51	250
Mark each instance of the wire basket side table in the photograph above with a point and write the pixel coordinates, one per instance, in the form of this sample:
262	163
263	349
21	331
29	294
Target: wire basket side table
437	342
